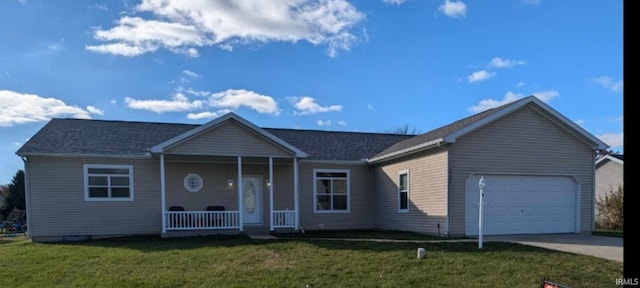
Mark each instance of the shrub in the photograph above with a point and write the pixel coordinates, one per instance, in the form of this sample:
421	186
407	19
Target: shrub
610	207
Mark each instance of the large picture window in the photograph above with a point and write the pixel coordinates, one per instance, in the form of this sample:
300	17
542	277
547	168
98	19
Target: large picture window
331	191
403	191
108	182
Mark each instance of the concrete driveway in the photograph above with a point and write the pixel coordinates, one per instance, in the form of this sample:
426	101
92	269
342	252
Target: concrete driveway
599	246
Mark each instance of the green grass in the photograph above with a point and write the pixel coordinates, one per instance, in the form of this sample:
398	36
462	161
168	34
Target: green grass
236	261
608	233
360	234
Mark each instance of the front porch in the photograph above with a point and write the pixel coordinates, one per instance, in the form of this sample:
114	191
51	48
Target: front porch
222	194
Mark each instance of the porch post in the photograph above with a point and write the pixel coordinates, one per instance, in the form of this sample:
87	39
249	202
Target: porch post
271	193
162	194
295	192
240	192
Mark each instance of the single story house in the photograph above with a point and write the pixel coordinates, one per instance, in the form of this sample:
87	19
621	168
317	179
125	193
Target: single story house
96	178
609	175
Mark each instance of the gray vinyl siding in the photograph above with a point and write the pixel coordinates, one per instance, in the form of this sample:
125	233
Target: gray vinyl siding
58	207
229	139
523	142
361	199
427	193
215	190
609	175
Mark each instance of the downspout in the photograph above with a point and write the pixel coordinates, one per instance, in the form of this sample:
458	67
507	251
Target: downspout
27	196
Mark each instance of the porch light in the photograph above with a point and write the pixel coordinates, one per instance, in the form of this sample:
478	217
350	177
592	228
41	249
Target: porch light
230	182
268	183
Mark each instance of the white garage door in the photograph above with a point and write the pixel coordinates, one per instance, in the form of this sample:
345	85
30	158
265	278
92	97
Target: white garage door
522	205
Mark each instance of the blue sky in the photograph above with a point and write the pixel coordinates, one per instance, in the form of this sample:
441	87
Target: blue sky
366	65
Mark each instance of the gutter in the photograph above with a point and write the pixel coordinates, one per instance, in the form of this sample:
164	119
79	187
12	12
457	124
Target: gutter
407	151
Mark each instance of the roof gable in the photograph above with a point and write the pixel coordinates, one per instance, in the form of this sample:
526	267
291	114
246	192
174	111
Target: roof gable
449	133
173	142
610	158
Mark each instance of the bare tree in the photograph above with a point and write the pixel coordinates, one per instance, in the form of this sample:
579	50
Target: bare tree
404	129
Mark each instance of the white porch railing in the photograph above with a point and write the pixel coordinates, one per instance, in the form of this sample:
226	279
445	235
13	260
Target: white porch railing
202	220
284	219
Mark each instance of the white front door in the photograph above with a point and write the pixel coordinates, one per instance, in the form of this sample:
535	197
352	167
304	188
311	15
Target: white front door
251	200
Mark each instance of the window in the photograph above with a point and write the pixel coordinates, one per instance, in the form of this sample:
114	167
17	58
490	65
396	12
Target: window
331	191
108	182
193	182
403	191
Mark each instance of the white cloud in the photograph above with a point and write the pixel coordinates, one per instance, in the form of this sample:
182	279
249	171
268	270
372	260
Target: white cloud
612	139
342	123
580	122
324	123
190	73
546	96
234	98
397	2
520	84
56	46
178	103
94	110
207	114
480	76
455	9
370	107
609	83
18	108
113	101
531	2
102	6
509	97
307	105
181	26
225	101
498	62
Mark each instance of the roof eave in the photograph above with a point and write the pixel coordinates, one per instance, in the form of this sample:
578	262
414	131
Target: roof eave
407	151
88	155
611	158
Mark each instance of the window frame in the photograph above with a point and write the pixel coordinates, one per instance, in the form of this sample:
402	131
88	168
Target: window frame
86	168
400	191
347	188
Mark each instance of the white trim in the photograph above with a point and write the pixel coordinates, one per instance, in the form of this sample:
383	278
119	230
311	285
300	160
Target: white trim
406	151
348	190
86	168
403	172
239	184
296	192
202	128
271	228
187	180
609	157
163	200
27	196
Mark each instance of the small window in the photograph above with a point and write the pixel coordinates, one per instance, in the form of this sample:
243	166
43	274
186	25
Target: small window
108	182
403	191
331	191
193	182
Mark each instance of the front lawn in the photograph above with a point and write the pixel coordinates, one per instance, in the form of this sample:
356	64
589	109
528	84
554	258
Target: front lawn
236	261
608	233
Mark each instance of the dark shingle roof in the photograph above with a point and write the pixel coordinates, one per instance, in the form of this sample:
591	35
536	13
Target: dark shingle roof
100	137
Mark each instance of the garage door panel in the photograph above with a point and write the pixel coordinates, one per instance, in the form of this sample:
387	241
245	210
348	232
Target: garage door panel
519	204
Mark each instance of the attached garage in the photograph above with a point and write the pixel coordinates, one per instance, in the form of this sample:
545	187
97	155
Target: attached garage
523	204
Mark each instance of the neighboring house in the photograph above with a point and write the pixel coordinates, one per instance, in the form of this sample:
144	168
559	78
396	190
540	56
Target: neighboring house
609	175
104	178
